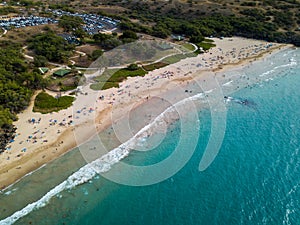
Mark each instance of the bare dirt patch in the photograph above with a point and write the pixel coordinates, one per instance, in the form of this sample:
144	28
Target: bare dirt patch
88	48
20	35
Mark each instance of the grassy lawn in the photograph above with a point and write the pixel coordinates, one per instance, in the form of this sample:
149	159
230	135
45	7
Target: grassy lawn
104	85
112	78
154	66
122	74
89	40
45	103
189	46
206	44
174	58
191	54
162	53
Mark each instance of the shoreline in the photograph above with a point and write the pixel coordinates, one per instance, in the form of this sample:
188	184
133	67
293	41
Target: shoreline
67	140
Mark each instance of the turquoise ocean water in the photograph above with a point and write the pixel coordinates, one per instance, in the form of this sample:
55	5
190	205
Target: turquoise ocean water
255	178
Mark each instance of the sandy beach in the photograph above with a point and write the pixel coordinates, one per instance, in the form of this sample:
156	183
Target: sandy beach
42	138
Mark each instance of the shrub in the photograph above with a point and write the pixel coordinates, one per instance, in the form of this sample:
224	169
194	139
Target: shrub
46	103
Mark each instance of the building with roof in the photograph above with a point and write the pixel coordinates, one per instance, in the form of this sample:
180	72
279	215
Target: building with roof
43	70
61	72
177	37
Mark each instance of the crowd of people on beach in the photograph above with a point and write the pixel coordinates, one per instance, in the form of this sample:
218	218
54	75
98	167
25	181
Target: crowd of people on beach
133	89
39	132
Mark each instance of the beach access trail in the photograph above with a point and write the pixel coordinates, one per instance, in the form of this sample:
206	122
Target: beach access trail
4	32
42	138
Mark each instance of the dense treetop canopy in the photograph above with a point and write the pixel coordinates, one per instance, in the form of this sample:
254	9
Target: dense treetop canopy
52	47
17	82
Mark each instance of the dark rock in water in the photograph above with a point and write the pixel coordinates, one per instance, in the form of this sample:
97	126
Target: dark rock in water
248	103
7	133
245	102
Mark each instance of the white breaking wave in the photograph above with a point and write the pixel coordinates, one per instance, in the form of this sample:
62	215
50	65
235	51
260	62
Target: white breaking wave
100	165
228	83
292	61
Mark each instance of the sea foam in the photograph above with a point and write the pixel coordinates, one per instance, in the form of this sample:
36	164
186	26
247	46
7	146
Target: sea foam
292	62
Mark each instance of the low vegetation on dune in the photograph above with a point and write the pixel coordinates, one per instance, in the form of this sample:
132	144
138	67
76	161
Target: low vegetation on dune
112	78
174	58
45	103
189	46
154	66
205	45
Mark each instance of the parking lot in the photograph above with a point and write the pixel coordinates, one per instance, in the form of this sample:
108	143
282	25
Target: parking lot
19	22
92	23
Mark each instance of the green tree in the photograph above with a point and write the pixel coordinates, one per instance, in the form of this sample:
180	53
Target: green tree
128	34
40	61
52	47
133	67
96	54
100	37
111	43
17	83
161	32
80	33
196	39
70	23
